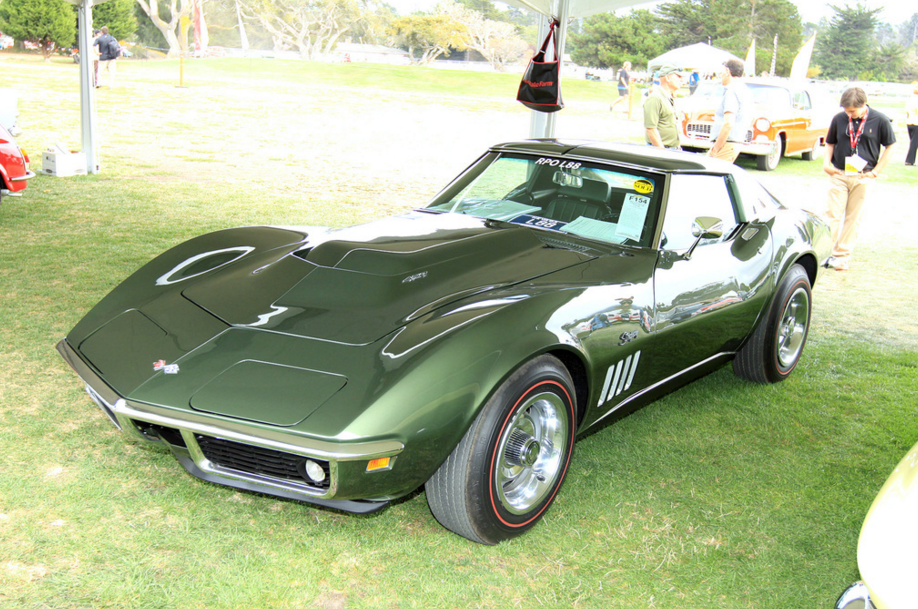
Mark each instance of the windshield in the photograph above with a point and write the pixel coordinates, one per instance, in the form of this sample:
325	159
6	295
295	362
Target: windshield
764	95
580	198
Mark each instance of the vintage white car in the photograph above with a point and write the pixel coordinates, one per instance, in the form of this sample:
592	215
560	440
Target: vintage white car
786	121
886	554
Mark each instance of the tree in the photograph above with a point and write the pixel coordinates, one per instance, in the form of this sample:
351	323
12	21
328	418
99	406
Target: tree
608	40
373	26
889	60
765	20
845	50
312	27
429	35
118	16
908	31
496	41
44	22
732	25
176	10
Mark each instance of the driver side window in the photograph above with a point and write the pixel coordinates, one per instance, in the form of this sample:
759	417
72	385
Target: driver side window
691	196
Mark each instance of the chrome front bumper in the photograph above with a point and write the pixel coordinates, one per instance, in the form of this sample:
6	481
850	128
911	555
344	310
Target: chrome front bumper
857	596
183	432
753	148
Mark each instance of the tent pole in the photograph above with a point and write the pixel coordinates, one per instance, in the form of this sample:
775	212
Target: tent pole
542	124
87	89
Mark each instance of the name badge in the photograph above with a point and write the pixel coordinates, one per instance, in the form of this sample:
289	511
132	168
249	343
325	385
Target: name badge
854	165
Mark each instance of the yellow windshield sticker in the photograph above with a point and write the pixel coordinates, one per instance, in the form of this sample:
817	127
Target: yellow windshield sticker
643	187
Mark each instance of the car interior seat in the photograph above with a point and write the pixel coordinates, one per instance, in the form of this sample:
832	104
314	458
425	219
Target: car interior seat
590	200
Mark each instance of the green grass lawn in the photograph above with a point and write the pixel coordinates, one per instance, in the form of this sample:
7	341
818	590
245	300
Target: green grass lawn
723	494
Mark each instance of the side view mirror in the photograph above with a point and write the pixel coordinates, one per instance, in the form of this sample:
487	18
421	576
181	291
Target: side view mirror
705	227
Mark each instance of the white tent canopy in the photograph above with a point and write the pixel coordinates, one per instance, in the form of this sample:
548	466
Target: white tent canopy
574	8
541	124
700	56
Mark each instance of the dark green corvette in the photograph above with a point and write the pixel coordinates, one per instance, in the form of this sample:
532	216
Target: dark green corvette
462	347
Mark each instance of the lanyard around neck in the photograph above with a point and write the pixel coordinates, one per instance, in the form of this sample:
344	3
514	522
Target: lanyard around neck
855	138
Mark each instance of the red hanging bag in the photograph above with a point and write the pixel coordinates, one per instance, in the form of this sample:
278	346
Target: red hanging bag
541	86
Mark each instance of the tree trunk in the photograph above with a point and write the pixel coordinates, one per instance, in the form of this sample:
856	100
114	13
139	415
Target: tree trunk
151	8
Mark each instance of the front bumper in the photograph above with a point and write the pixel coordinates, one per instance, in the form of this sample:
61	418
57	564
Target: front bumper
751	148
229	453
856	596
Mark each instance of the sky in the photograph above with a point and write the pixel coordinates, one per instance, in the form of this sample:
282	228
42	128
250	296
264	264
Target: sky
894	11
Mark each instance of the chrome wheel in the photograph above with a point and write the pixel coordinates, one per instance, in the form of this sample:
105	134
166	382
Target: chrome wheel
773	350
509	466
532	451
769	162
793	327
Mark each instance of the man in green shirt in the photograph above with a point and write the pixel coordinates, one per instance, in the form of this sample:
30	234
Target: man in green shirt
660	113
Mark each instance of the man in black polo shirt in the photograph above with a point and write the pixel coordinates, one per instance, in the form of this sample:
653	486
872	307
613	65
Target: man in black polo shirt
858	147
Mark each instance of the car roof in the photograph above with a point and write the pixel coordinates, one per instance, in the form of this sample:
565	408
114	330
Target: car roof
774	81
643	156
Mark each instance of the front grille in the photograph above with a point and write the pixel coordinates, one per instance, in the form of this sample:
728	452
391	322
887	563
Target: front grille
702	131
260	461
699	130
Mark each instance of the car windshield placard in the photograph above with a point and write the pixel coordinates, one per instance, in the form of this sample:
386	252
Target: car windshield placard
633	216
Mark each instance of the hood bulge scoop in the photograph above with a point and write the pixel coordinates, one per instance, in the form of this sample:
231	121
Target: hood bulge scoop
360	284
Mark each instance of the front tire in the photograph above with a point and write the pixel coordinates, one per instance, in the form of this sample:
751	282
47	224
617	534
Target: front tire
773	350
769	162
504	474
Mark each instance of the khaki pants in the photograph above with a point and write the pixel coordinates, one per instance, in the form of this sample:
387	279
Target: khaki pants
846	205
727	153
111	67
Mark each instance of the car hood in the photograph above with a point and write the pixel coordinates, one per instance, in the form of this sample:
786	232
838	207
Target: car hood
356	285
886	551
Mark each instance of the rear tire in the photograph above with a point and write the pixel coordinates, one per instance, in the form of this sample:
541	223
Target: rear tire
504	474
815	153
773	350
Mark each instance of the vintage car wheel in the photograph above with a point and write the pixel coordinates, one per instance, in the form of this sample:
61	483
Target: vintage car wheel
773	350
504	474
815	153
769	162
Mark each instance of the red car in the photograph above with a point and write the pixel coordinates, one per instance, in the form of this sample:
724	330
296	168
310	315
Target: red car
14	166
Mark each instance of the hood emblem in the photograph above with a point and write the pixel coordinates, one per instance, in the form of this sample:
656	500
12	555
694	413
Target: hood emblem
415	277
166	368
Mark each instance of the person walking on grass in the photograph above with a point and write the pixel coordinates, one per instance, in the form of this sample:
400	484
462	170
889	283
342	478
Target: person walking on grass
911	122
624	85
109	51
858	146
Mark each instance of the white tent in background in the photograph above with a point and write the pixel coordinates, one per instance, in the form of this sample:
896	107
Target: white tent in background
700	56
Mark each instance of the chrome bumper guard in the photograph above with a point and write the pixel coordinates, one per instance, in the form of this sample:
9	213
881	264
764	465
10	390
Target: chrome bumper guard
857	596
129	417
28	176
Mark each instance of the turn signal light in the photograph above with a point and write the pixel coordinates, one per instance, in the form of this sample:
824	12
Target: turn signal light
378	464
